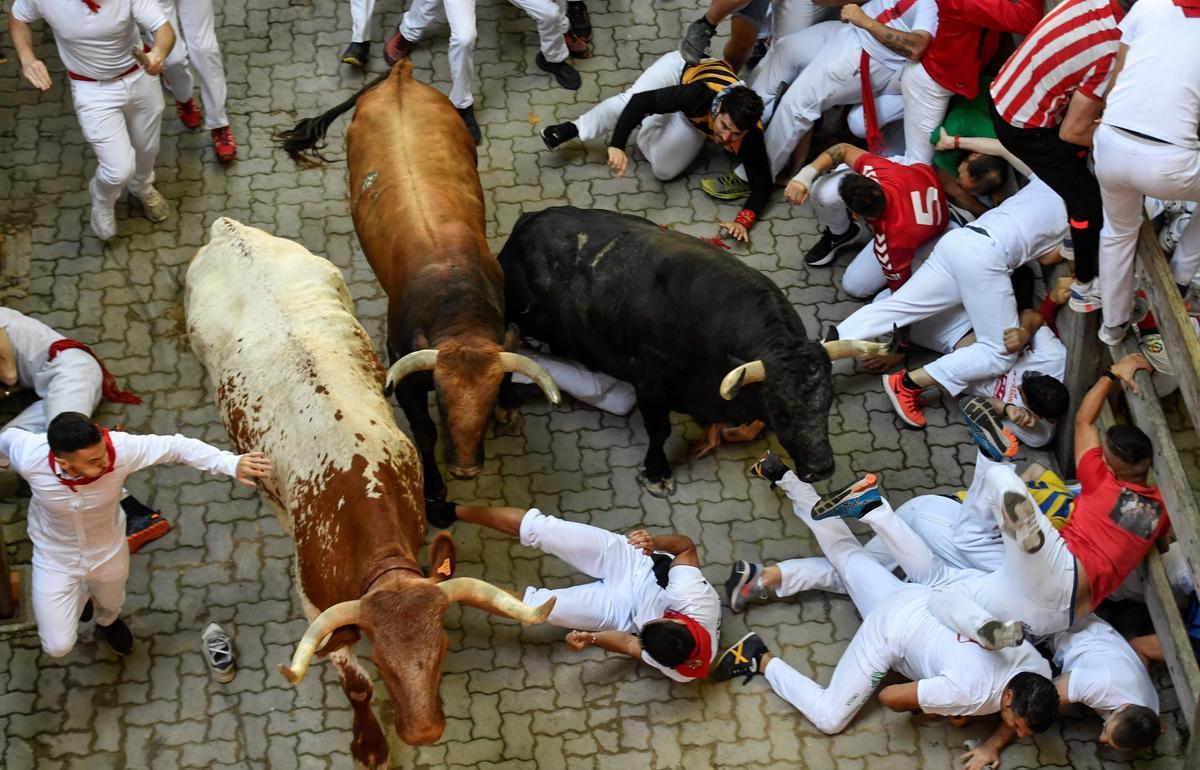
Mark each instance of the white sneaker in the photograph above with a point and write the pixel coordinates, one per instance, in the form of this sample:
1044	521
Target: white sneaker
996	635
154	205
1112	335
1085	297
1155	352
104	221
218	653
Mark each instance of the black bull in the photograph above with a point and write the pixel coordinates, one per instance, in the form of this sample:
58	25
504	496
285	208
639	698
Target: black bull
675	317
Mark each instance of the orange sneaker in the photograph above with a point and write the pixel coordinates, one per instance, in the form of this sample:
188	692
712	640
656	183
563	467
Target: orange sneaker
189	112
906	401
143	529
224	145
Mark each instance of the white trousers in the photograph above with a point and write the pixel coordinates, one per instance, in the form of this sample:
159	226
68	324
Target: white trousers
59	595
669	142
1129	167
870	653
619	569
71	382
965	268
786	58
939	332
1035	588
924	109
830	79
121	119
360	18
593	388
196	41
888	109
551	18
791	16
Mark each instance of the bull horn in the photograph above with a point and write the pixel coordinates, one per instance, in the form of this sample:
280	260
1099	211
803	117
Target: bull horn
754	371
485	596
515	362
341	614
416	361
853	348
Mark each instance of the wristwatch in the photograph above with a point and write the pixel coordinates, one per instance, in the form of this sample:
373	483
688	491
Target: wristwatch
1109	374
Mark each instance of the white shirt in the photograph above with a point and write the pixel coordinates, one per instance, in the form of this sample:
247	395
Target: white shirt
1028	225
95	45
31	340
1105	672
954	675
74	530
1047	356
688	593
900	15
1158	89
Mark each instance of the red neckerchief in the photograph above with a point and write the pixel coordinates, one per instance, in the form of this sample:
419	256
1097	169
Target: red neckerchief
108	388
696	666
72	483
92	5
1191	8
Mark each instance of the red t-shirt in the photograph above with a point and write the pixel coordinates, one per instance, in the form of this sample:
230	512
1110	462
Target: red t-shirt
915	213
1113	526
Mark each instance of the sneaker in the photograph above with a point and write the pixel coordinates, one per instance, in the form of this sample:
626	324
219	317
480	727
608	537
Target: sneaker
853	502
757	55
1155	351
555	135
440	512
1085	297
224	145
771	468
727	187
744	585
996	635
743	659
357	54
1021	513
577	47
564	74
830	245
468	118
154	206
1112	335
118	636
697	39
993	439
218	653
905	401
579	19
140	530
189	112
397	47
104	222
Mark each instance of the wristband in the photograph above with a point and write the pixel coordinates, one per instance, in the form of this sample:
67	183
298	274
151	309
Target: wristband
746	218
1110	375
956	142
806	177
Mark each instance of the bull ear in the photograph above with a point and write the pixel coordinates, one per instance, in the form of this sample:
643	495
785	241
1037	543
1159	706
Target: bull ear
420	341
442	557
512	337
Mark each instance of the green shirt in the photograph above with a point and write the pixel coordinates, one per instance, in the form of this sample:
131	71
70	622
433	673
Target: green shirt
963	118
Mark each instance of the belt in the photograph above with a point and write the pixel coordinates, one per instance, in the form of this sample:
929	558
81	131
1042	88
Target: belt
86	79
979	230
1140	135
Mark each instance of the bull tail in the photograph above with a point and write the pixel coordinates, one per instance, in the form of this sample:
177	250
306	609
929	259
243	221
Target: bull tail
306	139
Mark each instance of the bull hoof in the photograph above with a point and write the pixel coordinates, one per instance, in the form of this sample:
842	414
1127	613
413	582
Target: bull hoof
662	488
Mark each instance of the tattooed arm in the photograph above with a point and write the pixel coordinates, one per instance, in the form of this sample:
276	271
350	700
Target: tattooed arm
910	45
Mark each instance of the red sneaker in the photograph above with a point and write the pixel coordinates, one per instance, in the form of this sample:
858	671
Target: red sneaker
142	530
906	401
189	112
223	143
577	47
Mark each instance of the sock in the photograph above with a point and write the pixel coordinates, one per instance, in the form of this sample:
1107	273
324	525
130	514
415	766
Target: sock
907	383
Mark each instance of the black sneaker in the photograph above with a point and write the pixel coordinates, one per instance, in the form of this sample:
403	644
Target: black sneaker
826	250
555	135
697	39
468	118
743	659
357	54
118	636
440	512
218	653
770	468
579	19
743	586
564	74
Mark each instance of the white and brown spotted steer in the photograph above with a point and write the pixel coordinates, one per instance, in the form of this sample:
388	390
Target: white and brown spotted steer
296	377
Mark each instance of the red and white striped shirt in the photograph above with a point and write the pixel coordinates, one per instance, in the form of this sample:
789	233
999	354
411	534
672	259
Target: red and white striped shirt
1072	49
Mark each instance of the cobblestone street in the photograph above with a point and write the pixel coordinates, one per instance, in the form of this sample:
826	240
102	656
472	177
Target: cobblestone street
513	697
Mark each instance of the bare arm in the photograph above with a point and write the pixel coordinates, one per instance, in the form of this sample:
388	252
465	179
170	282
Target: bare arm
1079	124
164	41
1086	435
613	641
900	697
990	146
31	67
987	754
680	546
798	189
910	45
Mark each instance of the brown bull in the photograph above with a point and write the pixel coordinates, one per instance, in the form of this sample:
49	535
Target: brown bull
296	377
418	211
